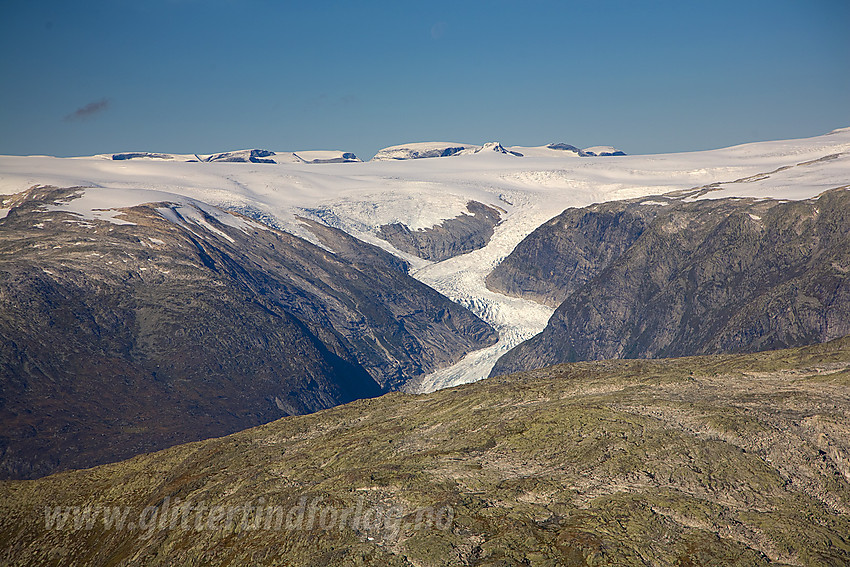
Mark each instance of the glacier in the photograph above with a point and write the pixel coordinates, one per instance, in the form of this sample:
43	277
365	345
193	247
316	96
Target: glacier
359	197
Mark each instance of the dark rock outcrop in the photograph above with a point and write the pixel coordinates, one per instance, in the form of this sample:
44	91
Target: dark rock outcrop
345	157
566	252
243	156
564	147
712	276
419	151
495	147
140	155
602	151
120	339
450	238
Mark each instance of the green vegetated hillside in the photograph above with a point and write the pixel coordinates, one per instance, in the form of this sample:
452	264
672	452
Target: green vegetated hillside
716	460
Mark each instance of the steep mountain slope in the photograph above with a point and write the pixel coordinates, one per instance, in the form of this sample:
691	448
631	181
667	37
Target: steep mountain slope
677	277
450	238
721	460
129	330
566	252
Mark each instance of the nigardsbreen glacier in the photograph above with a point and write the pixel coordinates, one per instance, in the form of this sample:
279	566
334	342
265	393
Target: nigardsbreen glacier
426	185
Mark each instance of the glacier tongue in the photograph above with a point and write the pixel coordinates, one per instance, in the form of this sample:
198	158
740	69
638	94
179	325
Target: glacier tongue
461	279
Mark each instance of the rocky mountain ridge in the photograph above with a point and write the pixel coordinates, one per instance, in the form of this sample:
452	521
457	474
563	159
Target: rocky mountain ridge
448	239
563	254
414	150
242	156
170	322
671	277
422	150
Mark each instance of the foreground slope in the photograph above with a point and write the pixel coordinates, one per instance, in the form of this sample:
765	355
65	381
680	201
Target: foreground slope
718	460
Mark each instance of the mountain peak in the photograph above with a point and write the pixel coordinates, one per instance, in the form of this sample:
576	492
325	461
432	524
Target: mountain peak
496	147
599	151
420	150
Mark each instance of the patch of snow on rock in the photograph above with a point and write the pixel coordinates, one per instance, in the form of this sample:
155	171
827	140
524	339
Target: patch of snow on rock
421	150
603	151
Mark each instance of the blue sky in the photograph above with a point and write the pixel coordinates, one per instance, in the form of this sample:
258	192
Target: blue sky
202	76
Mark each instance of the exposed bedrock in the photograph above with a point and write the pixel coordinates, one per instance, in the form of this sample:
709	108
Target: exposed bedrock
704	277
450	238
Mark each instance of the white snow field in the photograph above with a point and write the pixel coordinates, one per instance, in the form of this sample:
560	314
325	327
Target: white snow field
358	197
